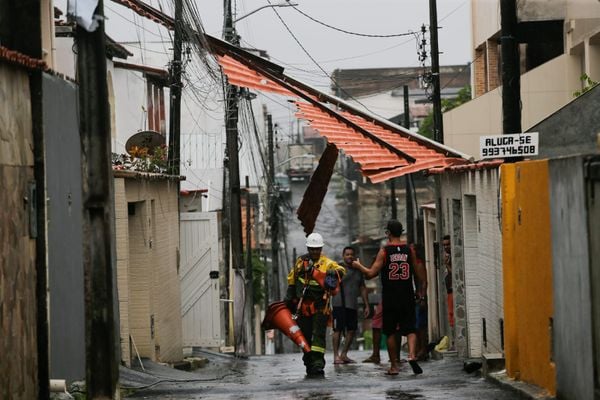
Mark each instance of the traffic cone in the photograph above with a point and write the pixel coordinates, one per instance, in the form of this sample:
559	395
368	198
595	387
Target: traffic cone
279	316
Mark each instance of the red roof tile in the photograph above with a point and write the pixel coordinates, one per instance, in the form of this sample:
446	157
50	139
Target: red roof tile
474	166
381	152
23	60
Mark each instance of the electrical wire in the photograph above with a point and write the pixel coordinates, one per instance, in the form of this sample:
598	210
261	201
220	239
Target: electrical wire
316	63
350	32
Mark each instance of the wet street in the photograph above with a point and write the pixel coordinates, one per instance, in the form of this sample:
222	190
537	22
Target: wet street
282	377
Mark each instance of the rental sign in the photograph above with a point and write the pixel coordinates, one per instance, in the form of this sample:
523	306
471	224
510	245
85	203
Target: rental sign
505	146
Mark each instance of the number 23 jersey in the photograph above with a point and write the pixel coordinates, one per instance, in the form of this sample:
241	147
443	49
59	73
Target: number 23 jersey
397	273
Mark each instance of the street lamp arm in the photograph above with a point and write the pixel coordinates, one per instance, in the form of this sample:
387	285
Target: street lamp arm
288	4
295	157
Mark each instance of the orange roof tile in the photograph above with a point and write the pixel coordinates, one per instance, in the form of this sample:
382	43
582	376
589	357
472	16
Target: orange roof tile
239	75
474	166
382	150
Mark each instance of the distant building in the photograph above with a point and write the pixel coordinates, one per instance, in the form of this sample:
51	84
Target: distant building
380	90
559	41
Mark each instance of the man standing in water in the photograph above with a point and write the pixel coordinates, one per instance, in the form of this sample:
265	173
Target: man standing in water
397	266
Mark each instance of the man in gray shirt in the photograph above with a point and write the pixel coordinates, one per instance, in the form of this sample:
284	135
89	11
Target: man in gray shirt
345	307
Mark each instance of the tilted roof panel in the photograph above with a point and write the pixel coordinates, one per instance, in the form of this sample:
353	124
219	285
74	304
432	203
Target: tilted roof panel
381	151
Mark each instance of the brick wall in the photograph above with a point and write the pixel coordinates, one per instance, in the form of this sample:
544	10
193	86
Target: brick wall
479	70
489	239
122	233
486	67
148	279
492	60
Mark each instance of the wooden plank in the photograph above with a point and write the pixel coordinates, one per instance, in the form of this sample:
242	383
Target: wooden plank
18	369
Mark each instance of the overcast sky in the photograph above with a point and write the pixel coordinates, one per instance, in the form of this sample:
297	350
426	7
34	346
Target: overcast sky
333	49
307	49
292	39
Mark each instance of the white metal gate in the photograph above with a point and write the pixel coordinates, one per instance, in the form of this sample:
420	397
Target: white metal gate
199	268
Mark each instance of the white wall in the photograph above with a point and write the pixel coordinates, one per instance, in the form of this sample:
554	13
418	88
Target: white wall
202	125
64	59
478	192
383	104
130	106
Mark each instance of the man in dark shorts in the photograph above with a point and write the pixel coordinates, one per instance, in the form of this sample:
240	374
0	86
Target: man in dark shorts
345	308
397	266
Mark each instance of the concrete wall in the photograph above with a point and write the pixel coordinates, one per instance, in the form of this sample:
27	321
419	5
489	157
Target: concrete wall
527	265
543	90
436	289
593	207
573	129
147	246
486	14
573	339
65	246
18	346
484	186
459	278
478	290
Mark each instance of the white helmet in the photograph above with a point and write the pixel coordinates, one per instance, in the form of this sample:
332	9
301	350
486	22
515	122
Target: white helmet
314	240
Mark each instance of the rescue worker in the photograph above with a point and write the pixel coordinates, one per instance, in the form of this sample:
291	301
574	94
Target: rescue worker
311	283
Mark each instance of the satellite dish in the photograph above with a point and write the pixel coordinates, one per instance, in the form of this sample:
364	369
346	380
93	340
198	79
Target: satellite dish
145	139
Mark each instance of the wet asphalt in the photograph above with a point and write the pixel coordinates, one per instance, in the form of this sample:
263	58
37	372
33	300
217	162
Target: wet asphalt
282	377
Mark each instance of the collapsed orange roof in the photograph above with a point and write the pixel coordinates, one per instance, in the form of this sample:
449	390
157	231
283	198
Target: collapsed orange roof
382	149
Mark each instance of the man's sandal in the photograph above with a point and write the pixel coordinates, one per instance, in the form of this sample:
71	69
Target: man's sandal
415	367
373	360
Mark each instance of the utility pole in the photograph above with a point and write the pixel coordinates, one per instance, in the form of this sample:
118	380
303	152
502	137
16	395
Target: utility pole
511	74
393	198
235	215
438	135
274	206
438	128
409	187
174	157
98	213
226	290
249	273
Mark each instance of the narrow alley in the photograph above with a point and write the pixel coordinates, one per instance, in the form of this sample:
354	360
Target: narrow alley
187	184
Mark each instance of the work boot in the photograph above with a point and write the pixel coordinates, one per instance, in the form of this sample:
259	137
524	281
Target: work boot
315	373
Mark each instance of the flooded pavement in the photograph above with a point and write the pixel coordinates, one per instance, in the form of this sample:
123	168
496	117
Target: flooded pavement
282	377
